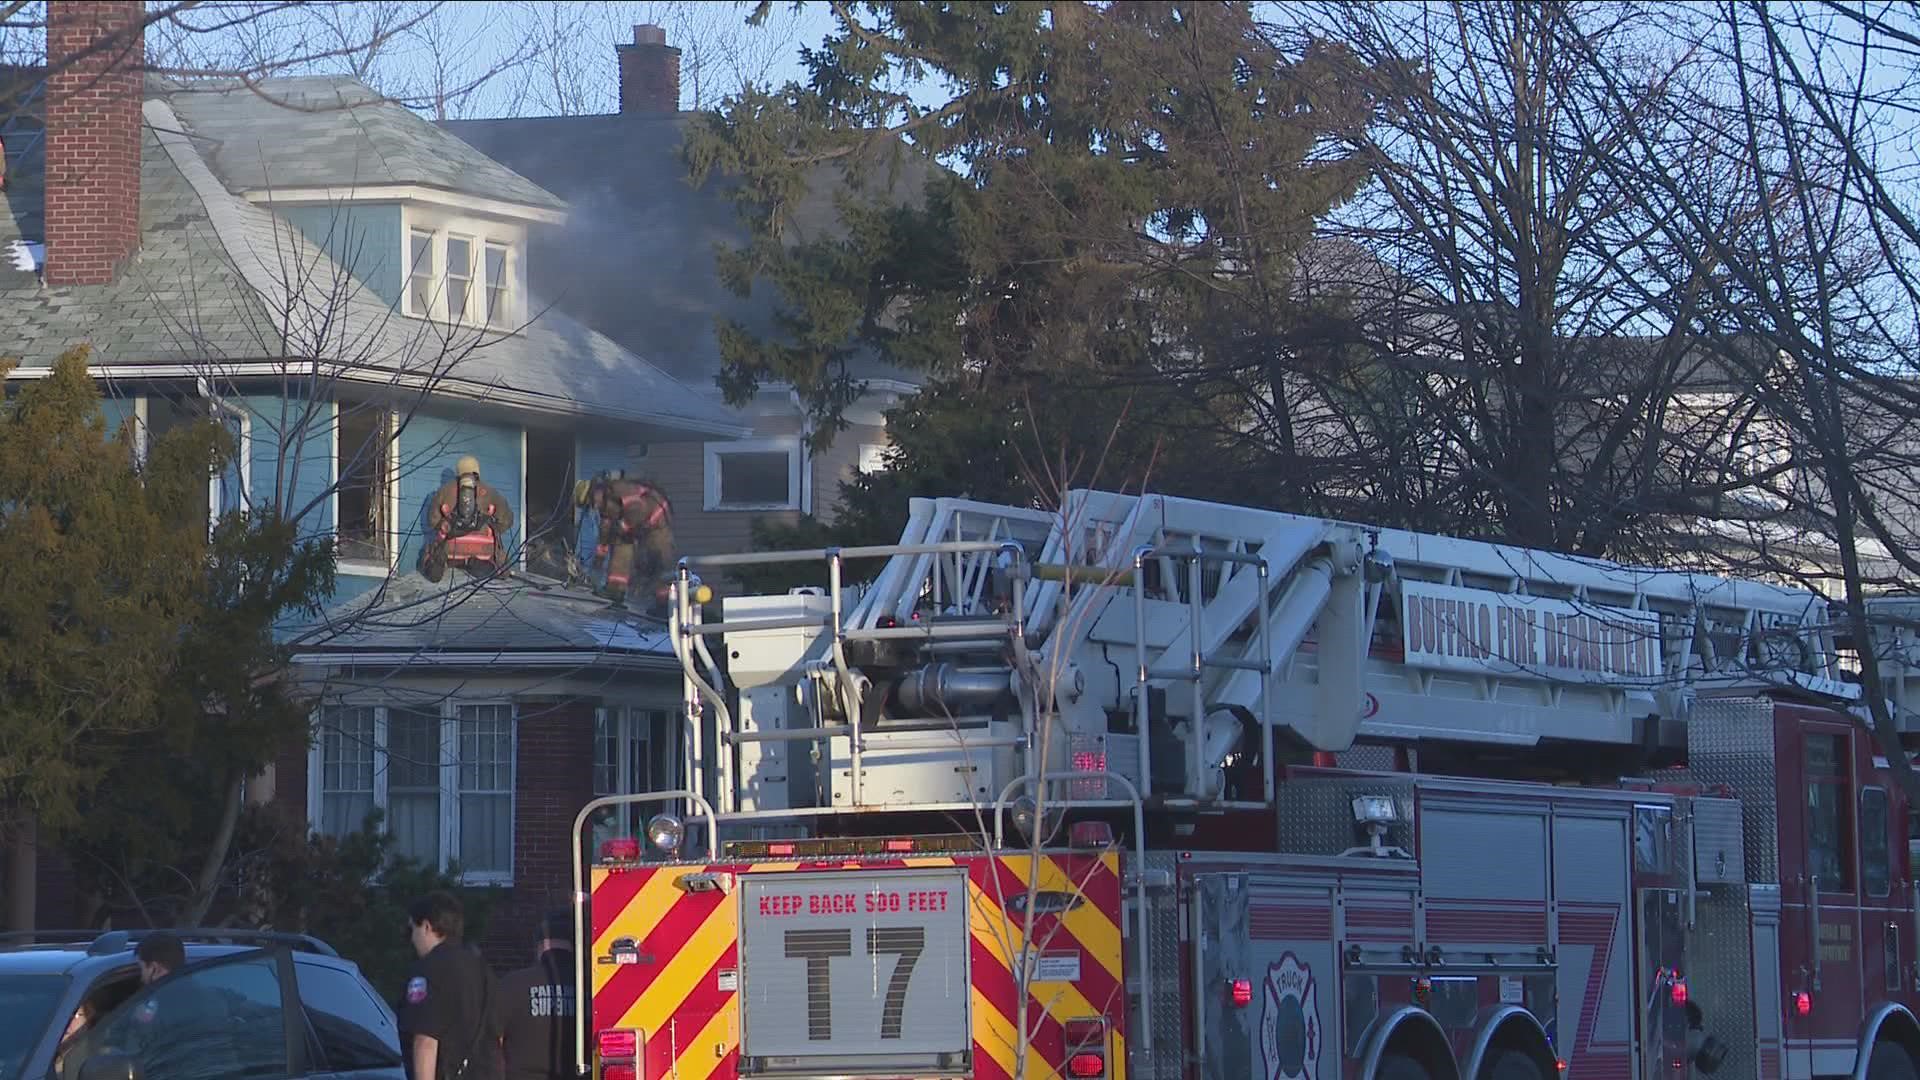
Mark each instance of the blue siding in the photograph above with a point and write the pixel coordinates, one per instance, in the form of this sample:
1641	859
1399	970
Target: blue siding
118	409
364	238
429	446
293	448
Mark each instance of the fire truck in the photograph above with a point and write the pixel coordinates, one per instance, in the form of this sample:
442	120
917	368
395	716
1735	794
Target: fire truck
1144	788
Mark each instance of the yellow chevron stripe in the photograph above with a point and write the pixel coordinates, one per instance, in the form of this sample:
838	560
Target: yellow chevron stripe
998	1036
1116	1055
1096	932
709	1048
1002	936
640	915
684	969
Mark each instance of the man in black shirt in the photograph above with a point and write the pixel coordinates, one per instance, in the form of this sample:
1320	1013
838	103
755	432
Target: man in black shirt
446	1022
537	1003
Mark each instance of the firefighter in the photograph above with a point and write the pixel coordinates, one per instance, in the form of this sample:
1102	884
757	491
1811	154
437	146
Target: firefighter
470	521
636	530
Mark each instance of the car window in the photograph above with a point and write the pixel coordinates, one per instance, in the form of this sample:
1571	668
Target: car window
26	1009
355	1030
218	1020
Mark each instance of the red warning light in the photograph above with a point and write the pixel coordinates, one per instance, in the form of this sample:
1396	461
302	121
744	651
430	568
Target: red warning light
1679	992
1803	1003
1242	992
1086	1065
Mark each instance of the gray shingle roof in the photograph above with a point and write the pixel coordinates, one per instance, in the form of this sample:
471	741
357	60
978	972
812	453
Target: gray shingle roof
329	131
219	279
413	620
636	256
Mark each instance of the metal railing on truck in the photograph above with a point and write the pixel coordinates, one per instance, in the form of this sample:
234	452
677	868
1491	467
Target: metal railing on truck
689	645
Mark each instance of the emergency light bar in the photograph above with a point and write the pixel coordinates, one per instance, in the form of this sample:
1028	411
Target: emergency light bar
813	848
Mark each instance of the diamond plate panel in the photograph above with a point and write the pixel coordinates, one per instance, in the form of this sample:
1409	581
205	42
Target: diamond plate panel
1730	741
1316	814
1720	974
1366	758
1161	1010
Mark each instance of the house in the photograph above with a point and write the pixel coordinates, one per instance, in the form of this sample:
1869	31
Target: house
635	260
353	290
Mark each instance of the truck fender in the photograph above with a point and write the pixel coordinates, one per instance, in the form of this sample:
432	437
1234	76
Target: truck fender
1417	1027
1521	1029
1891	1021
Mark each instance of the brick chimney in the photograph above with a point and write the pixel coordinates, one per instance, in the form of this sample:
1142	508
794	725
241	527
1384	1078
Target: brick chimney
96	52
649	72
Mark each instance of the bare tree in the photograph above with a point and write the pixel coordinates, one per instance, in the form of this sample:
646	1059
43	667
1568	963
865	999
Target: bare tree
1506	378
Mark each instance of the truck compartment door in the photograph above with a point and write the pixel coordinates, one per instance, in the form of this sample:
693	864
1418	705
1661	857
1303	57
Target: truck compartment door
1265	986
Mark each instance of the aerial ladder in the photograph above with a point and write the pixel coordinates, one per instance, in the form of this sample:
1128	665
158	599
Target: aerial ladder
1175	643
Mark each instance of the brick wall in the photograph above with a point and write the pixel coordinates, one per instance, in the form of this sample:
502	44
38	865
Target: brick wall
649	73
553	779
95	51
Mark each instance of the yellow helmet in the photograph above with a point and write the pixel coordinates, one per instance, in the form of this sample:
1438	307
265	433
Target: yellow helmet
468	464
580	490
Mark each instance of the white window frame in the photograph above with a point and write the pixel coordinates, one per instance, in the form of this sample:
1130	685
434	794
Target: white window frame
872	458
435	238
479	232
630	724
789	444
365	567
449	768
217	407
510	255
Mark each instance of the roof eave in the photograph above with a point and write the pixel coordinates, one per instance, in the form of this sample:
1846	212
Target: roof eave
553	214
492	394
540	659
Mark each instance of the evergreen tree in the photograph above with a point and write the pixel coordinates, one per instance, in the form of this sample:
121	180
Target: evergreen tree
100	568
1110	198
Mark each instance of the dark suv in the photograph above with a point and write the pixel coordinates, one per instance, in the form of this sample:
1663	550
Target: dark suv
247	1004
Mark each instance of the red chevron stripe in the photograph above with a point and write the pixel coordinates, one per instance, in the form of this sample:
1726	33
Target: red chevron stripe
1101	989
612	896
995	983
629	981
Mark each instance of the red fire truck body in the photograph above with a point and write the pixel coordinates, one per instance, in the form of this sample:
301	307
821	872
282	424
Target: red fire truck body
1155	788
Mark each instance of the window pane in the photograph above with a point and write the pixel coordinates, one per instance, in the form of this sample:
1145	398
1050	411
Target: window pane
606	751
420	273
1876	856
26	1006
354	1031
755	477
346	768
364	439
1828	827
496	279
218	1021
413	783
459	275
486	788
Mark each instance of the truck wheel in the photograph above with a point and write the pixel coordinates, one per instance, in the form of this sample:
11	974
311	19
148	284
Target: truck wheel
1510	1065
1890	1062
1401	1067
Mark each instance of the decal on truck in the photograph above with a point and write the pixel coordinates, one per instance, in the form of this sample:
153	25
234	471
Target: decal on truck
1290	1021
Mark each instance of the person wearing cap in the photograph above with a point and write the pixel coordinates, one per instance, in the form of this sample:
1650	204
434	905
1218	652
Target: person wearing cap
537	1006
470	521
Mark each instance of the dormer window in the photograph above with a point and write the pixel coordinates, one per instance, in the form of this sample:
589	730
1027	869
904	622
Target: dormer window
459	278
464	269
420	288
499	286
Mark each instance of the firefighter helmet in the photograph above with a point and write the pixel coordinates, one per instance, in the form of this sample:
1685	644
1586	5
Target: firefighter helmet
581	489
468	465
